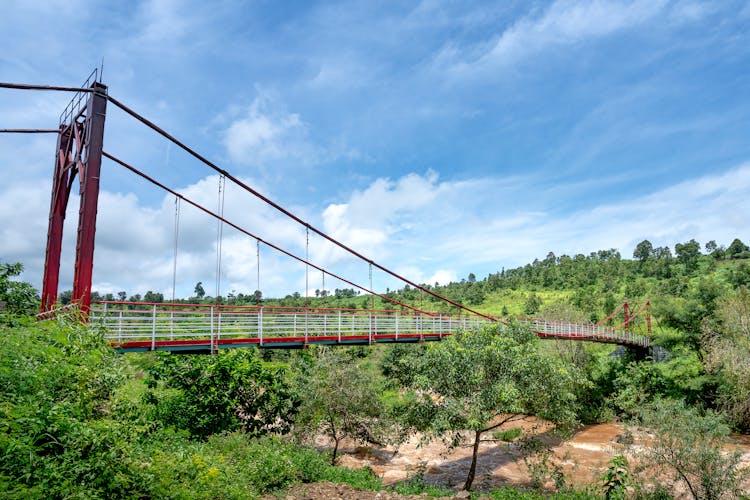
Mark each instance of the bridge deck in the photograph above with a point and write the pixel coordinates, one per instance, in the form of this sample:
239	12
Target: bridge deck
207	328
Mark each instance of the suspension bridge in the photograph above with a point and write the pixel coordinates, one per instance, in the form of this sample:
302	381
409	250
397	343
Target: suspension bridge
206	328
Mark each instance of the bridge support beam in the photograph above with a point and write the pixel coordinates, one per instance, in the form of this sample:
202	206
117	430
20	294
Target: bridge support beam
79	154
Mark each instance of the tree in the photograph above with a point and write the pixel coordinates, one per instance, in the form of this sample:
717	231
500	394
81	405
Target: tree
727	344
711	246
16	297
740	276
200	292
688	254
480	380
687	444
738	250
153	297
341	400
121	296
65	297
643	251
532	305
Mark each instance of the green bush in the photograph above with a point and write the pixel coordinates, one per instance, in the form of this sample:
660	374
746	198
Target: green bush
212	394
17	298
508	434
417	485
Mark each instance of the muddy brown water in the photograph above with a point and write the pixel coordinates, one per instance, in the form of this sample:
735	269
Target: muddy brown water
583	457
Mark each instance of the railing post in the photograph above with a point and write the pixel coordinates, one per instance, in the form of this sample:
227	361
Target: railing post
369	338
218	328
211	329
119	327
339	326
153	328
294	329
396	326
325	318
260	325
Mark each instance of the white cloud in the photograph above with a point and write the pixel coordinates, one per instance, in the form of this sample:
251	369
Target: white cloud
267	133
563	23
164	21
419	242
442	276
372	216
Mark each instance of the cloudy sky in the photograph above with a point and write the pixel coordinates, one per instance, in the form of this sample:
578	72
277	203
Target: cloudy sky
438	138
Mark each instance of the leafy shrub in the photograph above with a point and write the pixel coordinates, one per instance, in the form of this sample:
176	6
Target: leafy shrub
229	391
417	485
508	434
17	298
687	445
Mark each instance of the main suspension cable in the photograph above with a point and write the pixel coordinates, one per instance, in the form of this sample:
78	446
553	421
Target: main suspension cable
29	131
254	236
25	86
278	207
237	181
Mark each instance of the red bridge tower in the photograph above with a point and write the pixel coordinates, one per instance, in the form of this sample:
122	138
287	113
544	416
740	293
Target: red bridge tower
79	155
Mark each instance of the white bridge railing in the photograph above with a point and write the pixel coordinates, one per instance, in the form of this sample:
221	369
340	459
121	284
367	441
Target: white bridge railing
143	322
556	329
127	322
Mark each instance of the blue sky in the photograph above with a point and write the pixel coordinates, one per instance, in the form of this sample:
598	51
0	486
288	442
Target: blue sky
439	138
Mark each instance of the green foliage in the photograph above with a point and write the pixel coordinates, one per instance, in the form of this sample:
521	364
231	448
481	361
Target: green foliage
727	342
616	478
397	363
688	254
72	426
224	392
17	298
643	251
417	485
233	466
738	250
740	276
55	383
533	304
687	445
342	400
516	494
680	377
508	434
471	379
